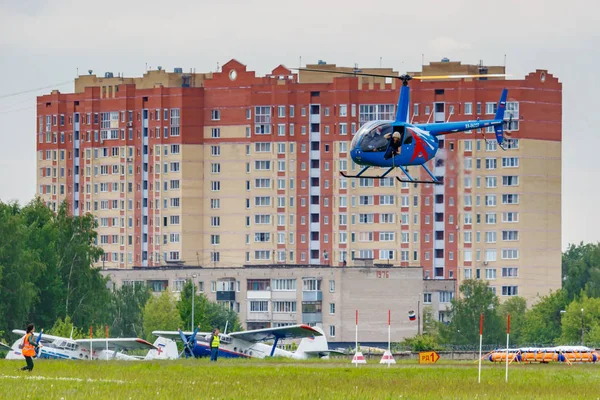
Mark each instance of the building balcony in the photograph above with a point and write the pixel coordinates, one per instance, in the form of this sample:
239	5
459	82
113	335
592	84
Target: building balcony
225	296
312	318
284	295
258	316
312	295
285	317
259	294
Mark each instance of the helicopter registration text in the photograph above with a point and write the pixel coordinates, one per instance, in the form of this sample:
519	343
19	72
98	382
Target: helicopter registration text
472	125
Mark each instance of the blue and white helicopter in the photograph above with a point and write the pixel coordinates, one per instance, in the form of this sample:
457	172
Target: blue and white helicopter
416	144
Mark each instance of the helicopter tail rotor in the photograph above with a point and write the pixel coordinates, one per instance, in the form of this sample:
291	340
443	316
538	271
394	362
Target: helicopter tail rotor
499	128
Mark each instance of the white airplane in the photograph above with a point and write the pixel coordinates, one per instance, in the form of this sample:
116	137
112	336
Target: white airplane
248	344
57	347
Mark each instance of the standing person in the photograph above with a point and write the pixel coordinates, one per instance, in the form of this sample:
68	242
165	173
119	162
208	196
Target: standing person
214	345
29	347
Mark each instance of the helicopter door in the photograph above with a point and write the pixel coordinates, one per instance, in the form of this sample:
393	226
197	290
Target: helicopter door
407	141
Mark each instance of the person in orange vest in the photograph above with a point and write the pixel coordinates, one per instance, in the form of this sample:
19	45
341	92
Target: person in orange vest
29	348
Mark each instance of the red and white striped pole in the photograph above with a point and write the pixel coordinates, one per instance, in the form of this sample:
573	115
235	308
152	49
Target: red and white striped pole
480	344
356	337
389	334
507	336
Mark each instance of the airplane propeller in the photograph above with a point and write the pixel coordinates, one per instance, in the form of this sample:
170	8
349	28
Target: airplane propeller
188	343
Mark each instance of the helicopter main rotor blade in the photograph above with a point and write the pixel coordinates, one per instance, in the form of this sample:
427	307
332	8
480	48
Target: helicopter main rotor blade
459	76
347	73
402	77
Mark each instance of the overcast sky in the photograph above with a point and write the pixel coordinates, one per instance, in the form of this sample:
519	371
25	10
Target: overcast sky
43	43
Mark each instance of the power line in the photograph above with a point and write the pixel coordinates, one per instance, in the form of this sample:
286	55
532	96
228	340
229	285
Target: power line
17	109
34	90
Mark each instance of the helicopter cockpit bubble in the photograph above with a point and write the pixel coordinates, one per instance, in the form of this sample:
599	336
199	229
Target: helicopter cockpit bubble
372	136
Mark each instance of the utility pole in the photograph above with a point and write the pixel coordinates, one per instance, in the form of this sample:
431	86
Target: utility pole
419	316
193	297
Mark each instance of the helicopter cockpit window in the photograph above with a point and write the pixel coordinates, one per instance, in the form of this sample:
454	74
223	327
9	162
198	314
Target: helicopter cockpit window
374	139
408	137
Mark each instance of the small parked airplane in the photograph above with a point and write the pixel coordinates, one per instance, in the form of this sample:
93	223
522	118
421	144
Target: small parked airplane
247	344
57	347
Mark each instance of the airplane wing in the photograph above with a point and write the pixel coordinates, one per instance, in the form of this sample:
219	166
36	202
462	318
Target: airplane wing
45	337
174	335
117	343
284	332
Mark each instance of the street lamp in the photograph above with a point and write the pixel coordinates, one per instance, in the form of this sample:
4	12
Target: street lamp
193	297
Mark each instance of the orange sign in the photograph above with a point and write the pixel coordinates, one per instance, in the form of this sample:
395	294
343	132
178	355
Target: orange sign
428	357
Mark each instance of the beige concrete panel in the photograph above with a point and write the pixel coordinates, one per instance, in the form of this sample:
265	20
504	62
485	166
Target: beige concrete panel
227	132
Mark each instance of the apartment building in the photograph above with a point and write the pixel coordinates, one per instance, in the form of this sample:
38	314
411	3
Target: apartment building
277	295
227	169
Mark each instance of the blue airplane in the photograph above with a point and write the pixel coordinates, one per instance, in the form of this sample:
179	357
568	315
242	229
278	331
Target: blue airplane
398	143
250	344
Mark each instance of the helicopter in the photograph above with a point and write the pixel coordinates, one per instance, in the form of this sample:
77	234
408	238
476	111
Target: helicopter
418	143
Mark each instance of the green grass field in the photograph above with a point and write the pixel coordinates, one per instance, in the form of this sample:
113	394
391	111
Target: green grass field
286	379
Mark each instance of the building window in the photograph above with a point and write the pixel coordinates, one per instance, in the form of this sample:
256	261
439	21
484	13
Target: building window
215	115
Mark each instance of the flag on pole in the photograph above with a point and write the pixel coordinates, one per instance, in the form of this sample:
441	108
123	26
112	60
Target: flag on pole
412	315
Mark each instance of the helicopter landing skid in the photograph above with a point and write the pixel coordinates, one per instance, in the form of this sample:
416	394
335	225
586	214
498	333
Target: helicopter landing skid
360	174
410	179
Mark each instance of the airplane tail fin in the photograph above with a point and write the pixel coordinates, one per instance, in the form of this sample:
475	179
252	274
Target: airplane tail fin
499	128
167	350
313	346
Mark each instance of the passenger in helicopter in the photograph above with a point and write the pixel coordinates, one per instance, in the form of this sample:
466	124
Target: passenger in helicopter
395	145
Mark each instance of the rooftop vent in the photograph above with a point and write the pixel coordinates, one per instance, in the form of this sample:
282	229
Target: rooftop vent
445	59
108	74
178	70
322	62
90	71
159	68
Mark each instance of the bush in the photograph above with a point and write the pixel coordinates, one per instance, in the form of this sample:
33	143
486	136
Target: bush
422	343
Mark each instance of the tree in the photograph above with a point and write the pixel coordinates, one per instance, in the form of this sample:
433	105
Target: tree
516	307
463	328
581	270
430	325
207	315
85	293
543	321
19	269
66	328
581	322
160	313
127	308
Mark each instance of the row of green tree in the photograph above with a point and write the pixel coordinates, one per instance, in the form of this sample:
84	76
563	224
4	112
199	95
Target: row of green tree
47	277
570	315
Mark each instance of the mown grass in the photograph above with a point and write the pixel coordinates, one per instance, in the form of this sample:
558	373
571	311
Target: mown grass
287	379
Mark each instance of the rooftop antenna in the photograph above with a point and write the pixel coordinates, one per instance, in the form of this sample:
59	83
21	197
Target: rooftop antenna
505	61
380	62
422	59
